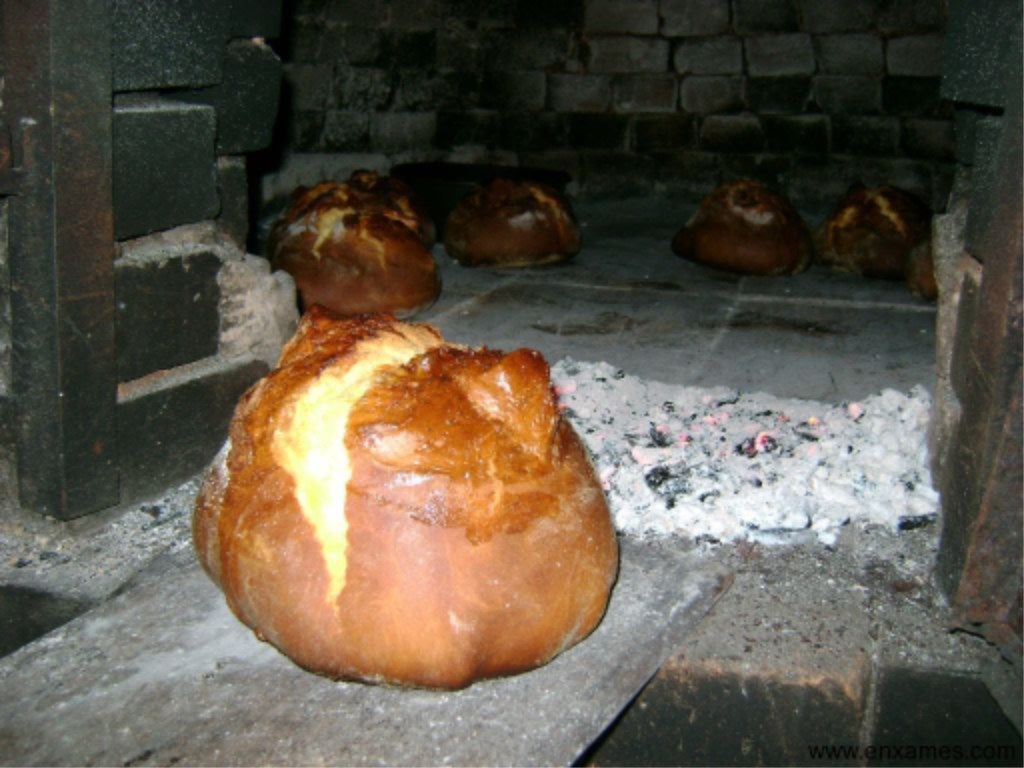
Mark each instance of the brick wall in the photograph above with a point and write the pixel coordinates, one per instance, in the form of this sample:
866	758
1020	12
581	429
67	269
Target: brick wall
195	90
131	318
630	96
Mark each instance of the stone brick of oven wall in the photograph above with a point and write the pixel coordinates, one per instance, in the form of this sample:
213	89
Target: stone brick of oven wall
196	88
630	96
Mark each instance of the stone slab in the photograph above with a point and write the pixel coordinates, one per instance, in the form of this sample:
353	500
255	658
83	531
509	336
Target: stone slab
246	99
168	146
168	43
26	614
164	674
255	18
693	18
166	312
940	719
715	717
765	16
170	424
976	69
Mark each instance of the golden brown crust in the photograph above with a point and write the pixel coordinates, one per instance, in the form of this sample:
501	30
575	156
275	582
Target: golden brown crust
371	189
354	250
920	272
510	223
476	540
873	231
742	227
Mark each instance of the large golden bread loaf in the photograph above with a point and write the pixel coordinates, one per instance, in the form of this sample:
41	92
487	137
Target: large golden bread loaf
393	508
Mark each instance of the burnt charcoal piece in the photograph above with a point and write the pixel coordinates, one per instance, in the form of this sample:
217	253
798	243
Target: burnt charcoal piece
805	431
760	443
707	538
913	522
669	482
656	477
747	448
659	439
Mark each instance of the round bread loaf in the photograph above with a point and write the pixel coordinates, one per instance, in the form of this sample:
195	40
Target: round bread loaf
921	272
742	227
392	508
509	223
371	190
873	231
353	251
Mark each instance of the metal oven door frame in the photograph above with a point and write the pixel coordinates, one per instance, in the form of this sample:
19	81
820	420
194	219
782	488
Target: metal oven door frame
57	103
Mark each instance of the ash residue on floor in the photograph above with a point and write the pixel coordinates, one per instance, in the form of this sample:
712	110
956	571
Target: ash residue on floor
714	464
90	558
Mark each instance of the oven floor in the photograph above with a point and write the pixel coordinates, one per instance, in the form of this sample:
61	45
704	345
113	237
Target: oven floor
159	673
628	300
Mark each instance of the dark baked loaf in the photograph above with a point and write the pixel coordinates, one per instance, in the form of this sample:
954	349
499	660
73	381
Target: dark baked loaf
393	508
873	231
512	224
372	190
352	248
742	227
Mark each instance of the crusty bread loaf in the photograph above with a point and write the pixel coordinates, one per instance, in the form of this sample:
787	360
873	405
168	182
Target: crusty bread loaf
920	271
742	227
392	508
508	223
873	231
358	246
371	190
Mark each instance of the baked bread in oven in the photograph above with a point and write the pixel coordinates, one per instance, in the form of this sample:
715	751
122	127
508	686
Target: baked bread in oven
508	223
393	508
742	227
357	246
371	190
873	231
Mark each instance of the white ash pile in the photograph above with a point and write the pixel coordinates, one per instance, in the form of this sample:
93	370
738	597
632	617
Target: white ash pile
716	465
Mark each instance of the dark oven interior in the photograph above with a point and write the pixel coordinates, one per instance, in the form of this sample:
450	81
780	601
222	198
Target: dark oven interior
147	148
